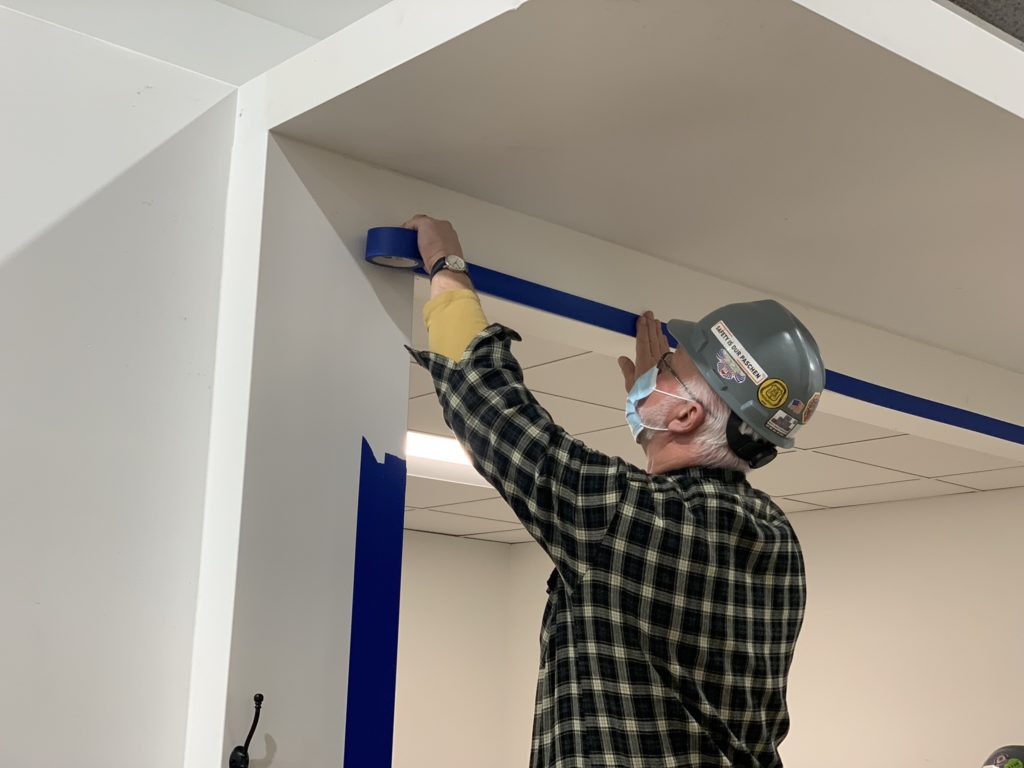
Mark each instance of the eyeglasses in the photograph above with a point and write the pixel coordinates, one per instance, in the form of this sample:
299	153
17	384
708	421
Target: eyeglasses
664	362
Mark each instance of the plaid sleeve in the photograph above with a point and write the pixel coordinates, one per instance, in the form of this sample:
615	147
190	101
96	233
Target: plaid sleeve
565	494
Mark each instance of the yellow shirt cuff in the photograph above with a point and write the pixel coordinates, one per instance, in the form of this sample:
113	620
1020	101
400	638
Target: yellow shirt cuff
453	319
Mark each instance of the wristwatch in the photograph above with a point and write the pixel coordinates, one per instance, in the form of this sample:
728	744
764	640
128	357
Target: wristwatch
452	263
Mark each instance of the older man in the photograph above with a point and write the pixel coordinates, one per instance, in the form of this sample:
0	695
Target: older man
678	592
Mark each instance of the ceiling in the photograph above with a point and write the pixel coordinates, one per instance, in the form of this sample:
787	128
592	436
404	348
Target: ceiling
316	18
230	40
755	141
837	463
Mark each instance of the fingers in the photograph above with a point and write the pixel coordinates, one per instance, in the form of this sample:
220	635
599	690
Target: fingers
663	347
628	371
641	337
416	221
653	337
651	342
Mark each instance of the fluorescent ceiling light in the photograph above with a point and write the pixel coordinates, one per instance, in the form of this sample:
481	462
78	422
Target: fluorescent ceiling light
435	447
440	458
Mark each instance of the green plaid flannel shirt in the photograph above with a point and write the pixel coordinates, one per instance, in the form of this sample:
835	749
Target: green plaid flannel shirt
676	599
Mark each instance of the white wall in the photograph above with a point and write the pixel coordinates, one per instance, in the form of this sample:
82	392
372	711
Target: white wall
911	651
454	643
77	113
328	370
113	209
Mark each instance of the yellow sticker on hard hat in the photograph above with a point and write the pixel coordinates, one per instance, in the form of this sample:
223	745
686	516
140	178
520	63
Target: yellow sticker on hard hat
773	393
812	406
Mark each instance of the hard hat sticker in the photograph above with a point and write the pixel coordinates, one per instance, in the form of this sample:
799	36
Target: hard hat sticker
783	424
729	369
738	353
812	406
796	406
773	393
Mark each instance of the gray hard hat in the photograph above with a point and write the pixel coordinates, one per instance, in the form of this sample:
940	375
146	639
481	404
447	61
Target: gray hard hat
1006	757
762	361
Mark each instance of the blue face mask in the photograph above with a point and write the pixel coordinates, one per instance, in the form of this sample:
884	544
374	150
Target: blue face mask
642	389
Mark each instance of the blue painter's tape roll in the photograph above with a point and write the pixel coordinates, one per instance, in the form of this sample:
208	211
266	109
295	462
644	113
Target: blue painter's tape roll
393	247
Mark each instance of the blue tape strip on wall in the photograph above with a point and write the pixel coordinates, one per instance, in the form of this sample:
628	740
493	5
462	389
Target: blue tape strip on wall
397	247
604	316
373	653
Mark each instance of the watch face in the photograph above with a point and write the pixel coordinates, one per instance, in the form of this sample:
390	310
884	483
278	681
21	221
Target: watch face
456	263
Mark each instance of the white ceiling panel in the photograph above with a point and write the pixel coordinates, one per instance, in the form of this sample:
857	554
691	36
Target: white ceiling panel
802	472
789	506
591	377
519	536
316	18
876	494
990	481
826	429
533	351
495	510
917	456
421	492
575	417
420	382
425	415
432	521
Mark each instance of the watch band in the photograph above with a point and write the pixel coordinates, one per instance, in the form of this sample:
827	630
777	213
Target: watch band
443	263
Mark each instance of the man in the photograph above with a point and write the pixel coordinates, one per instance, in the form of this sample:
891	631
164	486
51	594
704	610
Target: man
678	592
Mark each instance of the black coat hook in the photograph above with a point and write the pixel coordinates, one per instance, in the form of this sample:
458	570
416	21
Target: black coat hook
240	755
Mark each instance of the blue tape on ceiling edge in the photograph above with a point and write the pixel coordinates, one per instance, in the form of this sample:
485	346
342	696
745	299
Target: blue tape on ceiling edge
373	655
927	409
552	300
605	316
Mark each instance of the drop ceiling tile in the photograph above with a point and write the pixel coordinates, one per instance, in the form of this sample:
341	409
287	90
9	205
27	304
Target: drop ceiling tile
420	382
990	481
533	351
575	417
432	521
420	297
826	429
807	472
425	416
591	377
789	505
492	509
519	536
915	455
876	494
421	492
616	442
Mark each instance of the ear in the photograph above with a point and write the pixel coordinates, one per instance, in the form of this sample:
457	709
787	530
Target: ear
687	418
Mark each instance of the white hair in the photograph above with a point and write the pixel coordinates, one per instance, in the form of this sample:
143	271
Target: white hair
710	444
